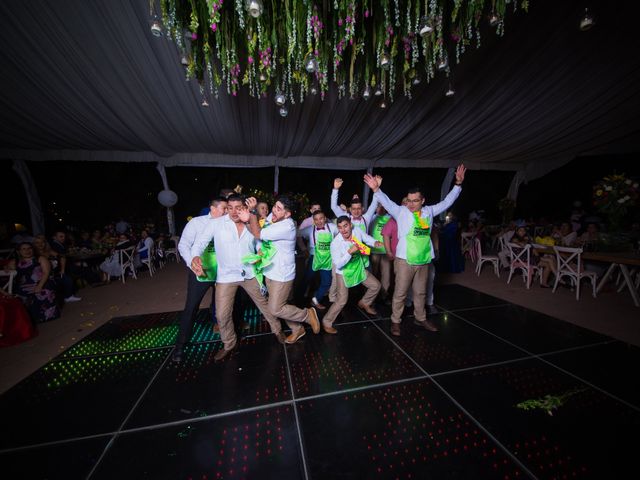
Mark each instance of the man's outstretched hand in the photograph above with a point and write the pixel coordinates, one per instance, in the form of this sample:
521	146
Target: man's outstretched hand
337	183
460	171
372	182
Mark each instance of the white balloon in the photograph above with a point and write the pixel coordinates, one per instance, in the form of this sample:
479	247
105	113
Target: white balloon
167	198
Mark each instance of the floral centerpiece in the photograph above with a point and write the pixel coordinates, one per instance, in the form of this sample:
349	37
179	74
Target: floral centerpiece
613	196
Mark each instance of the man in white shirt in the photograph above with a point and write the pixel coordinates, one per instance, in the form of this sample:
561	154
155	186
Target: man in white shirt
280	273
358	219
308	222
415	250
196	290
347	257
233	241
319	237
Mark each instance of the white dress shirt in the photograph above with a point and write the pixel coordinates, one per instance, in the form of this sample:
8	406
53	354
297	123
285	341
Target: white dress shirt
310	234
340	255
230	248
405	218
189	234
283	236
366	218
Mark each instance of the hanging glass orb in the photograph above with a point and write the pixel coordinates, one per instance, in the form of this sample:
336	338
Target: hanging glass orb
385	61
587	21
416	80
313	91
156	28
450	91
378	91
383	104
310	63
184	61
494	19
425	28
367	93
204	102
443	64
280	99
262	77
284	111
254	7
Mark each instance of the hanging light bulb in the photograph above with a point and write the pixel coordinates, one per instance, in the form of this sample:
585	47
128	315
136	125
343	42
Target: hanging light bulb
184	61
254	7
204	102
262	77
587	21
283	111
443	64
425	28
367	93
494	19
383	104
313	91
416	80
310	63
156	28
280	99
378	91
385	61
450	91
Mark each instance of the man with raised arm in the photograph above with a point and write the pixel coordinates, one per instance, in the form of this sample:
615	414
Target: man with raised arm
233	241
358	219
279	265
348	251
414	251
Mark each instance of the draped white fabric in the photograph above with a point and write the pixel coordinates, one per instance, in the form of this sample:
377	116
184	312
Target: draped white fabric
86	80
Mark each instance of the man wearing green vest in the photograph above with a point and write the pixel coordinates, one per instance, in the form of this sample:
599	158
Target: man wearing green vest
319	237
414	250
380	264
348	251
358	218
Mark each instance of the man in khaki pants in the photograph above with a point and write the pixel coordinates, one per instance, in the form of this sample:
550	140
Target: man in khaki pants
348	261
233	241
414	250
278	245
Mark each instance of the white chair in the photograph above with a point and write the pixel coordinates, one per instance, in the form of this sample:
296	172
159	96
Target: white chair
127	256
564	258
6	252
150	260
521	260
161	255
173	250
485	258
467	244
6	280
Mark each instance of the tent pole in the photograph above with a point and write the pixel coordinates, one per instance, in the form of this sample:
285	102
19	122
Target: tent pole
170	217
35	207
276	179
516	181
446	186
365	192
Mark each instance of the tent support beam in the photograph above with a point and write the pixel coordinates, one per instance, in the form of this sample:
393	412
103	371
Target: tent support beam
446	186
170	216
35	206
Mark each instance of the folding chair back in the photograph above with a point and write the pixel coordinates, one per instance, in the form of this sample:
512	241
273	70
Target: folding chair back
126	262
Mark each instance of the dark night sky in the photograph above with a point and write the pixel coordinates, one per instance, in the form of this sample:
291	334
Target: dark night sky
91	194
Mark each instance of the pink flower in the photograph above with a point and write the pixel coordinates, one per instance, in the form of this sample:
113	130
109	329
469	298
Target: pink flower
339	22
214	27
366	14
250	60
194	36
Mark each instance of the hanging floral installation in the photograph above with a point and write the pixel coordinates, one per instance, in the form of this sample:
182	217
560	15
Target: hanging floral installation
294	48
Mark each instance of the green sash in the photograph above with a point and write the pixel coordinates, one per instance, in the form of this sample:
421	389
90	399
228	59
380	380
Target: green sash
260	261
354	272
209	264
419	242
322	255
376	232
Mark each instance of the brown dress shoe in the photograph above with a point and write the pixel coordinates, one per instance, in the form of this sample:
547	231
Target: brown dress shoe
294	337
280	336
222	354
427	325
312	319
395	329
317	304
367	308
329	329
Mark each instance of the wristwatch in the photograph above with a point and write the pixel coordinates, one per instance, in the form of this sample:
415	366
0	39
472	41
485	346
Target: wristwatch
254	211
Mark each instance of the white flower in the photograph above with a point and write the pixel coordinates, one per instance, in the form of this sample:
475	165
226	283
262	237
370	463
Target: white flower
621	200
628	182
608	188
627	197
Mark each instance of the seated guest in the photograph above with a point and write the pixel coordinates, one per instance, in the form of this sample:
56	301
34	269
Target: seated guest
111	266
97	242
58	245
33	285
85	240
564	236
145	245
590	237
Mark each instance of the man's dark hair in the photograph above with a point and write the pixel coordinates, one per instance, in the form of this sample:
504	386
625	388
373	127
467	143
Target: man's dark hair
226	192
317	212
286	203
416	190
342	218
355	200
235	197
216	201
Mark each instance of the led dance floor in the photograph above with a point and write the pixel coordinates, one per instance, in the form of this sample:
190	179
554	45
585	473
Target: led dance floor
501	392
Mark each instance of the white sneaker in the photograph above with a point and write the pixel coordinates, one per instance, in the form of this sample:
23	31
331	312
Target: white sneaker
72	298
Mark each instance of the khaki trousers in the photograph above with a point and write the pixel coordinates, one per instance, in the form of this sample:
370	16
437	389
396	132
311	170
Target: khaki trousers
342	295
381	267
278	307
412	277
225	295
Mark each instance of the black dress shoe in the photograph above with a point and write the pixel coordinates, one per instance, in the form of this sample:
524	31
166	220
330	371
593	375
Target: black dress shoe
222	354
176	357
